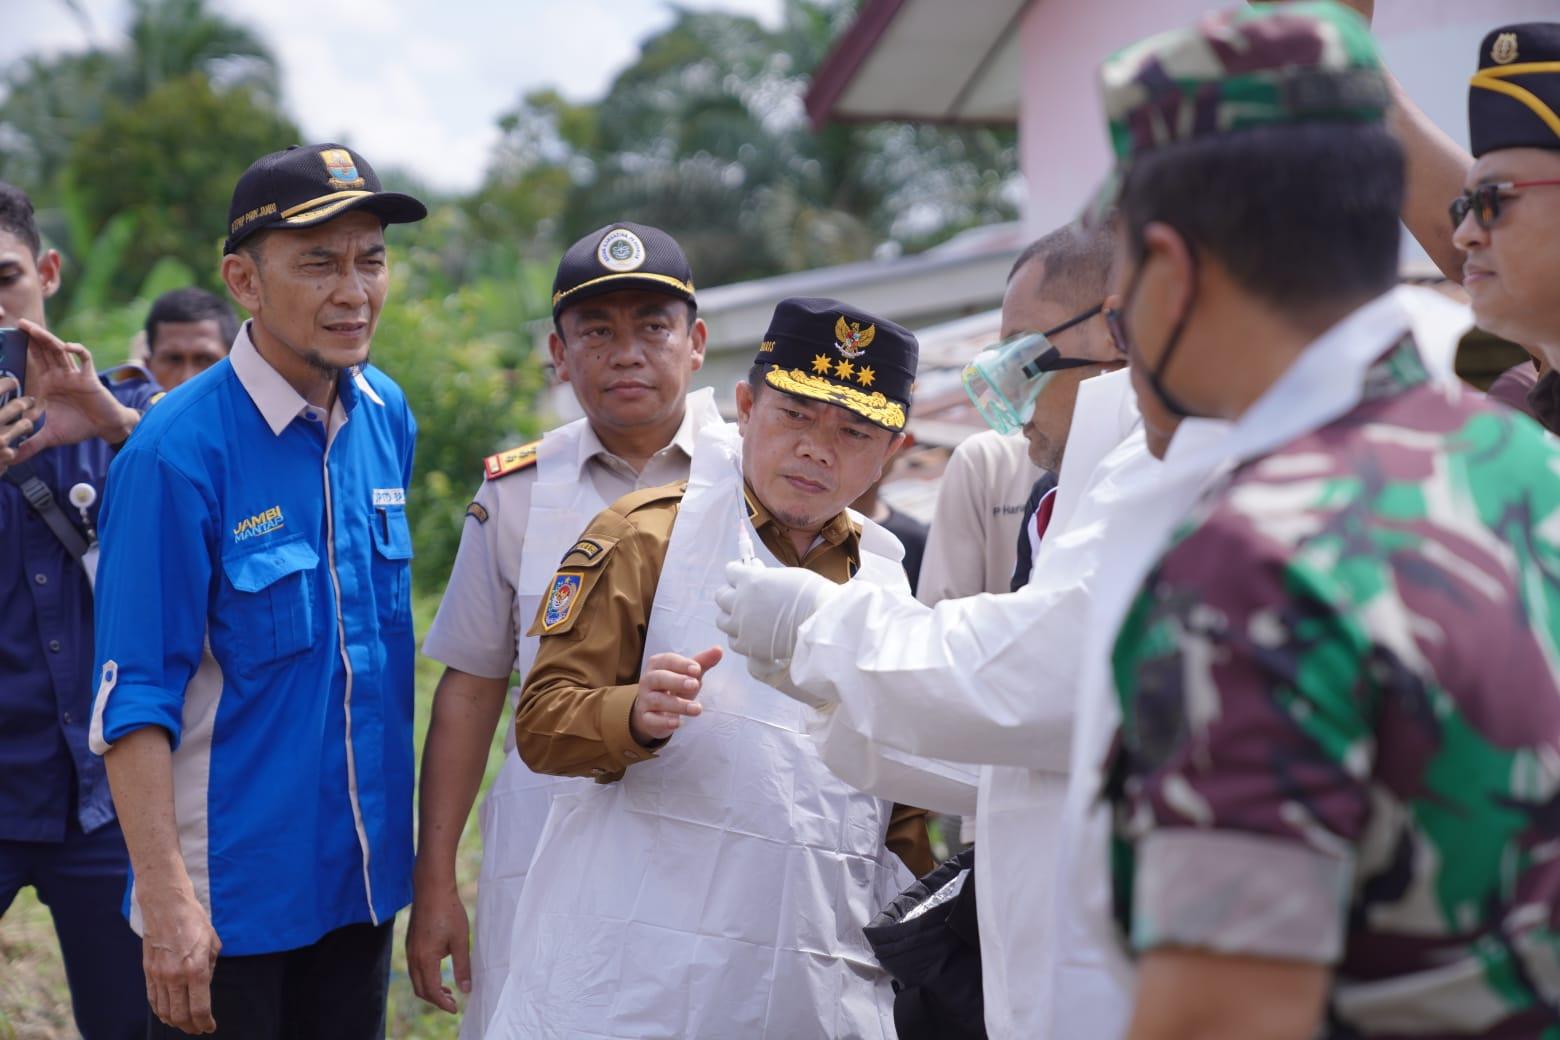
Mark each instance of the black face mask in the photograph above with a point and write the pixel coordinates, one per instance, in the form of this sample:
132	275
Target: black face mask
1155	376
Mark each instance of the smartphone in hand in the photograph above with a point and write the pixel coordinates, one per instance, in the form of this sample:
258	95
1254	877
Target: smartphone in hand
13	363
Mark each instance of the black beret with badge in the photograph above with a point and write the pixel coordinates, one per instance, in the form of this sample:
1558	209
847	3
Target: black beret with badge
825	350
618	257
1514	98
305	185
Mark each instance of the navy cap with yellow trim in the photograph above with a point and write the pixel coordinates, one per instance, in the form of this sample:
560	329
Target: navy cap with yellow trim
825	350
621	256
305	185
1514	98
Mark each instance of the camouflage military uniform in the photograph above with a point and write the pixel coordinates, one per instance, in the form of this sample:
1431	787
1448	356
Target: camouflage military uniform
1340	734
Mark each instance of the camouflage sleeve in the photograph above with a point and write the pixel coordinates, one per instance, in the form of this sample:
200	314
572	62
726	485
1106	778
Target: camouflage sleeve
1240	780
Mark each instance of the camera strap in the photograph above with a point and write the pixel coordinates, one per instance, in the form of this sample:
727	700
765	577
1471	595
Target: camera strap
42	501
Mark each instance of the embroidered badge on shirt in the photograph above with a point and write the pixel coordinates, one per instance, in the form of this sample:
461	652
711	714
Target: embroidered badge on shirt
389	497
587	547
261	523
476	510
561	600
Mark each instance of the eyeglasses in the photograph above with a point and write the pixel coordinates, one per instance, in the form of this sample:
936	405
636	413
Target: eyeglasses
1484	202
1004	380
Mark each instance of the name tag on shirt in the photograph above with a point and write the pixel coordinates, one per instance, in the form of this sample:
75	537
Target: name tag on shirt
389	497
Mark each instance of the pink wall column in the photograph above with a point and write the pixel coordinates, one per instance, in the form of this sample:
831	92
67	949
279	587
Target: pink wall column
1431	46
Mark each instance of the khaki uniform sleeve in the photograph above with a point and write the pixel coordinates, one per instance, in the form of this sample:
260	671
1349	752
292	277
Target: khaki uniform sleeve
908	839
573	718
474	629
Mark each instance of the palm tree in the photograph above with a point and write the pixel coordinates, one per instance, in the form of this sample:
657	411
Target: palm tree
170	39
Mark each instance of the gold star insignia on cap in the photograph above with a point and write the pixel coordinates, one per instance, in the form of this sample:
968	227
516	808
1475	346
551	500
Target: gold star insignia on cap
821	364
865	376
844	370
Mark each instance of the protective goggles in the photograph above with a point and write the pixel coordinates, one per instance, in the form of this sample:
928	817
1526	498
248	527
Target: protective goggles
1004	380
1484	202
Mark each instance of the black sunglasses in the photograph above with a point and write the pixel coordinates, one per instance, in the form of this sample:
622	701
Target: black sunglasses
1484	202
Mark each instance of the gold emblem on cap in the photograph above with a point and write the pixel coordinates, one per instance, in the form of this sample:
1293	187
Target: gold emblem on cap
821	364
340	168
1504	50
851	339
865	376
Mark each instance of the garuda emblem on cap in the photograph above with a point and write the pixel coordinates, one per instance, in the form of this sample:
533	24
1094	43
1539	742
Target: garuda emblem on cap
851	339
342	170
1504	50
621	250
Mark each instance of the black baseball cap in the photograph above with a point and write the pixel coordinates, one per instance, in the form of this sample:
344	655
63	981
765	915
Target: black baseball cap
305	185
621	256
825	350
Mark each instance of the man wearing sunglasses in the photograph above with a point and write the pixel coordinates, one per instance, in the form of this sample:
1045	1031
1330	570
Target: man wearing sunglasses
1508	221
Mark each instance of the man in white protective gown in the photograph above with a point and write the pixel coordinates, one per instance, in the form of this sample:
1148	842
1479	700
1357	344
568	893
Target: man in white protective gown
627	339
1016	685
715	880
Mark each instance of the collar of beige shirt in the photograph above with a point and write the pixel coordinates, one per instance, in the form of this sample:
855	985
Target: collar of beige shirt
590	445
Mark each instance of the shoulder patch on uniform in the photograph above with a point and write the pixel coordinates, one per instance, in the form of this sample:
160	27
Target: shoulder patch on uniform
648	496
478	512
562	599
511	461
587	552
158	396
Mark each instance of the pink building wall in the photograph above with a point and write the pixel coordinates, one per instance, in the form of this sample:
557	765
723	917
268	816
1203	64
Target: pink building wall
1430	45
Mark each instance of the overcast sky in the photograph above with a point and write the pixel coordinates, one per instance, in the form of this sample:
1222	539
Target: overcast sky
409	83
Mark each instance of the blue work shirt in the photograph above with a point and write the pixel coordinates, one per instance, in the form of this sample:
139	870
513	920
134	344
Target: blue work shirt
254	601
46	646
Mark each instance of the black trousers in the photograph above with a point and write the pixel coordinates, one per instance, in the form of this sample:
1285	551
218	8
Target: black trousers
82	882
332	990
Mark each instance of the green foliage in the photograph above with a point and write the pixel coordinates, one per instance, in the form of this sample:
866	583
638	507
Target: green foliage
155	161
704	135
465	361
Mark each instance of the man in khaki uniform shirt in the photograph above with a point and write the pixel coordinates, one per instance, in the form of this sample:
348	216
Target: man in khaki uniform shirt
973	543
627	339
616	693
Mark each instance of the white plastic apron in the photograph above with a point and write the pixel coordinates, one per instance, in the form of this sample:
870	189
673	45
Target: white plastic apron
564	501
720	889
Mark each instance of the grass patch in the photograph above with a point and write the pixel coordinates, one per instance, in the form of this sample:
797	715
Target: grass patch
35	1002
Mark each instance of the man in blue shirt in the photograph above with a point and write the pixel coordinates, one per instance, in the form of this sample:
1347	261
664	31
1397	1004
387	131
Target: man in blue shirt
255	652
57	827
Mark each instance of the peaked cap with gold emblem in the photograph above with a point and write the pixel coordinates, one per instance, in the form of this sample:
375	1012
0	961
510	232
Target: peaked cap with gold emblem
825	350
305	185
1514	98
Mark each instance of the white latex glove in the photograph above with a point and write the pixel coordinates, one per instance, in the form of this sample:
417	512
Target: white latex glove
760	610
